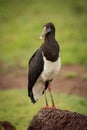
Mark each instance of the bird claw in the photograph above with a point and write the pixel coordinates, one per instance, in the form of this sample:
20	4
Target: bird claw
50	106
47	106
53	106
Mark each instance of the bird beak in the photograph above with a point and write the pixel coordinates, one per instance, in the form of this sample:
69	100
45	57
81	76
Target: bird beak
44	32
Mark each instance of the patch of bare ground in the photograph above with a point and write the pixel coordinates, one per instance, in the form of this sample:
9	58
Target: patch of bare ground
72	79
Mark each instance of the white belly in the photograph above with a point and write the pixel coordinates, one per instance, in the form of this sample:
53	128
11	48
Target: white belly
50	69
49	72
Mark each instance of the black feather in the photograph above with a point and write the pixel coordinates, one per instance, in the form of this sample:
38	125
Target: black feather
35	68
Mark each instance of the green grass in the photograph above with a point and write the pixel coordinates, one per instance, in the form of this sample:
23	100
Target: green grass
16	107
70	75
21	24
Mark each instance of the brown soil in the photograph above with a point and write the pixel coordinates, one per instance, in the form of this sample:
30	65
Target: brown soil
55	119
72	79
6	126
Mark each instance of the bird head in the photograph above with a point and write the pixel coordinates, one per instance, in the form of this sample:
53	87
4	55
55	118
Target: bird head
47	30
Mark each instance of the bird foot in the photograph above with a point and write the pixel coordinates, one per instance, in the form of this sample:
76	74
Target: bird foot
50	106
53	106
47	106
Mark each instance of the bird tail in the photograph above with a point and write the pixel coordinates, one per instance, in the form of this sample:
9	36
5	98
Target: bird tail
36	92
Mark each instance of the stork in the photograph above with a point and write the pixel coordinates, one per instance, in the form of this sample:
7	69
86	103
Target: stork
44	65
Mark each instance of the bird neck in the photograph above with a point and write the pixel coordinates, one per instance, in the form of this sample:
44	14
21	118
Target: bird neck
49	37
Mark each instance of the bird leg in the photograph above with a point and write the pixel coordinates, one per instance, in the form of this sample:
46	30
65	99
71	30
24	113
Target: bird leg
44	91
46	100
53	105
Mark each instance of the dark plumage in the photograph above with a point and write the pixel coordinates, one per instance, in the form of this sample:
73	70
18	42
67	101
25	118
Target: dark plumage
44	64
35	68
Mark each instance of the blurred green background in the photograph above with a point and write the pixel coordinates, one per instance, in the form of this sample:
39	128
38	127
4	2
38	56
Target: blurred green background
21	23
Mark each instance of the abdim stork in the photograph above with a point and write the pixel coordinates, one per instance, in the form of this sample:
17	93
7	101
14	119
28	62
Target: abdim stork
44	65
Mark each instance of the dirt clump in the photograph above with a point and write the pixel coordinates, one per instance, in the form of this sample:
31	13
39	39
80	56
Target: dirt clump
5	125
55	119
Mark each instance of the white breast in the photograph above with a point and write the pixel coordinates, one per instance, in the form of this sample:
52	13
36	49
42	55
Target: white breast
50	69
49	72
